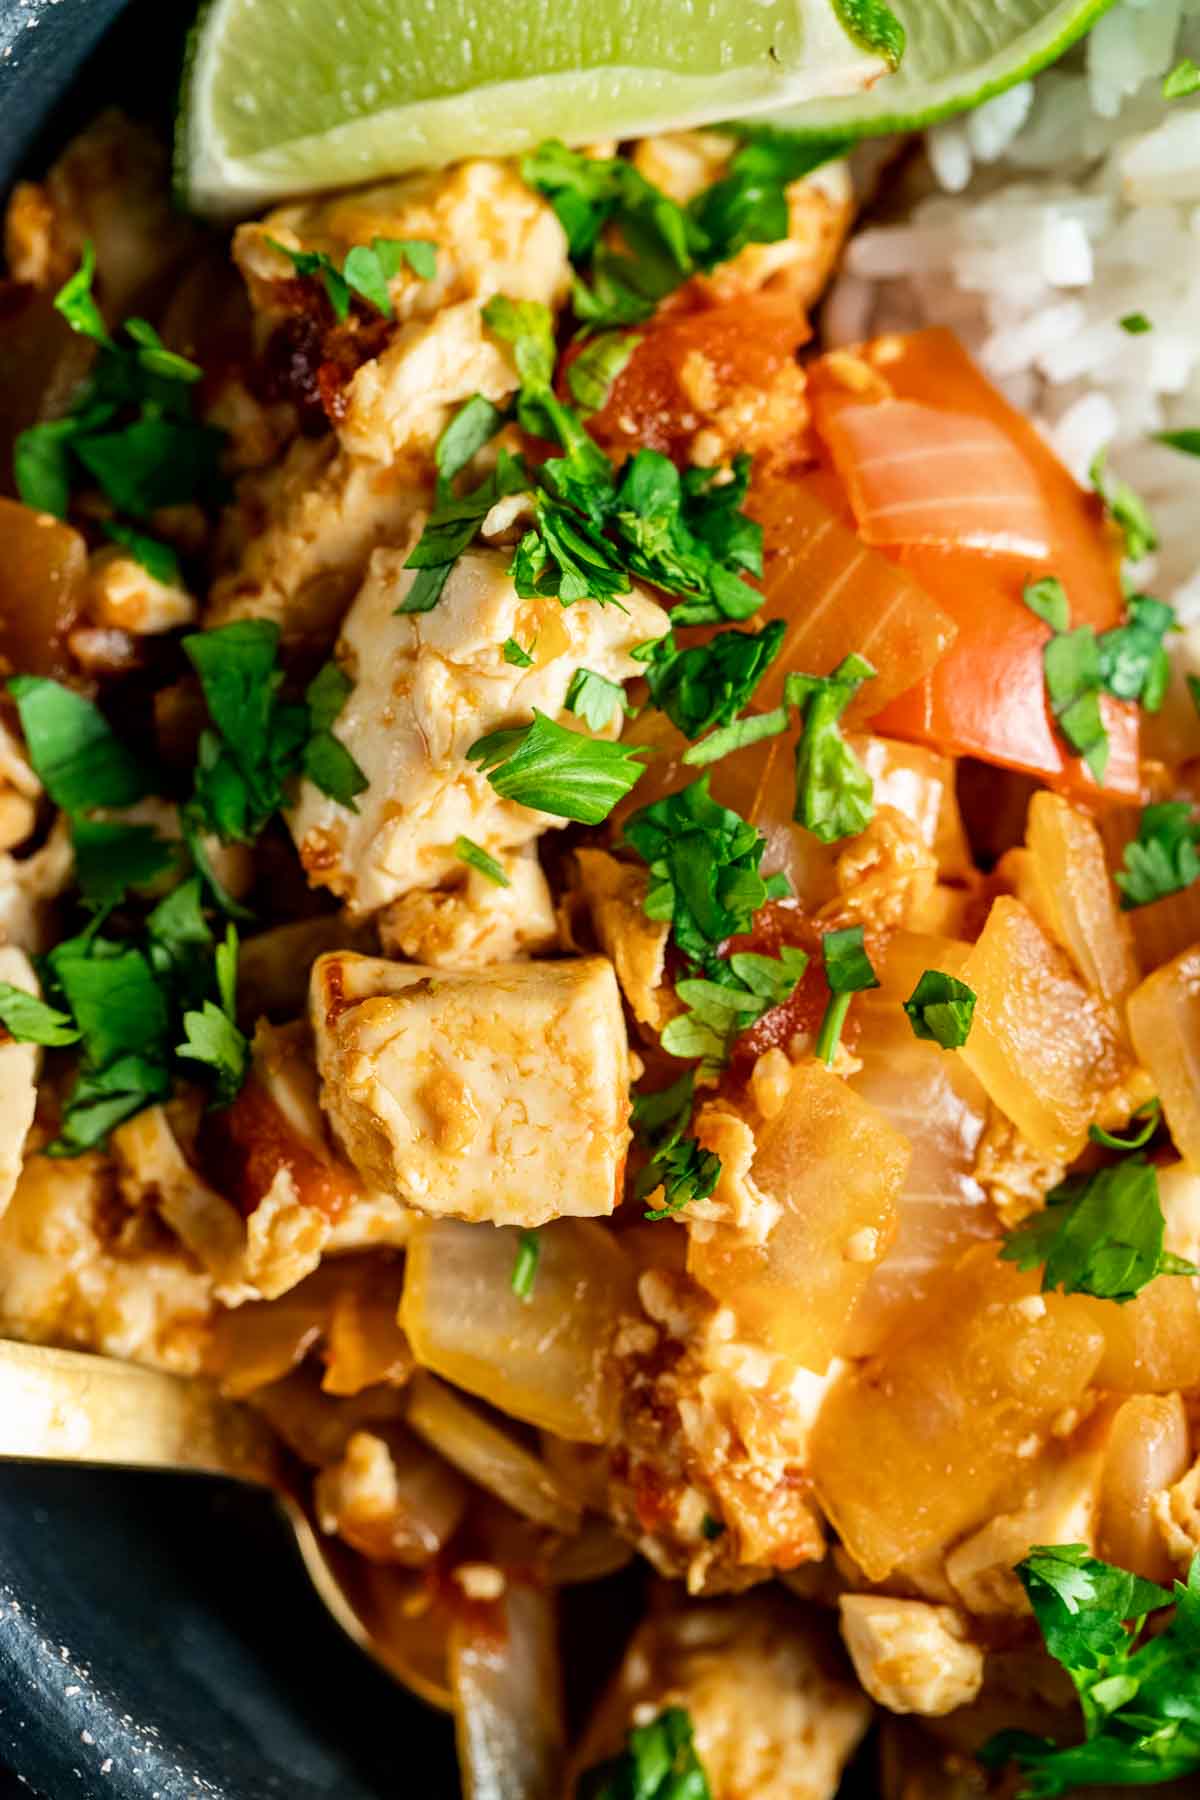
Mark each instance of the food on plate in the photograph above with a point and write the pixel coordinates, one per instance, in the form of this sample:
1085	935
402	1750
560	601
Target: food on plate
600	877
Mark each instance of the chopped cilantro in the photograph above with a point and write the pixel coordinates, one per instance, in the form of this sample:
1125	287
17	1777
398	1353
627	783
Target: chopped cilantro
1133	663
552	769
591	375
77	758
453	523
1138	1690
366	270
941	1008
30	1021
749	204
1048	599
738	735
1124	508
326	761
1164	858
525	1264
122	1017
474	424
1184	79
848	971
1099	1234
678	1165
834	793
1151	1116
515	656
596	699
659	1762
158	559
111	858
476	857
707	685
258	739
734	996
704	869
211	1035
180	944
1136	324
77	304
1186	441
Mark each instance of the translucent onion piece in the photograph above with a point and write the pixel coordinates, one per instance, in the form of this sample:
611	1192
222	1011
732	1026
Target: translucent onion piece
833	1167
595	1550
1076	897
544	1359
364	1343
920	783
1164	1019
508	1713
839	596
1047	1051
314	1425
1152	1343
43	566
917	1445
1149	1448
473	1444
934	1101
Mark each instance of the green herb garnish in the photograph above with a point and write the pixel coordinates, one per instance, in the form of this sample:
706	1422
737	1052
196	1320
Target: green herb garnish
551	769
848	971
366	270
834	793
595	699
677	1165
1099	1234
1164	858
941	1008
659	1762
476	857
525	1264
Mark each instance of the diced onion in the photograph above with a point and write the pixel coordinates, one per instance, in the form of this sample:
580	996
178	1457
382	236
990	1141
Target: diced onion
1076	898
1164	1018
478	1448
543	1359
507	1697
1149	1448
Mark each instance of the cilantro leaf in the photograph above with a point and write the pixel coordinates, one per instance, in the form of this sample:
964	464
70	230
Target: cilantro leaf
704	869
1048	599
659	1762
77	304
1136	324
180	943
366	270
685	534
476	857
153	462
591	375
1150	1114
1099	1234
1133	663
326	760
749	205
1126	510
849	971
736	736
677	1164
30	1021
1184	79
452	525
552	769
211	1035
1164	858
565	555
75	755
1137	1691
258	742
528	327
112	995
1187	442
708	684
525	1264
735	996
158	559
834	793
941	1008
515	656
102	1099
474	424
156	359
111	858
596	699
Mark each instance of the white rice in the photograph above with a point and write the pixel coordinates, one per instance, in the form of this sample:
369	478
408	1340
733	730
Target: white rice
1067	204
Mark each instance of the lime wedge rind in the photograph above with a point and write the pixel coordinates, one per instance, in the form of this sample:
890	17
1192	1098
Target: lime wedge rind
240	141
910	100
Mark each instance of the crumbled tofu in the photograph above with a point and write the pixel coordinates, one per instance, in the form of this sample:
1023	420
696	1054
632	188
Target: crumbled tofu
1060	1507
1015	1177
1177	1514
124	595
20	791
78	1269
297	539
496	1094
636	945
19	1064
884	876
476	922
737	1200
427	685
775	1711
480	1581
494	235
29	886
910	1656
390	1498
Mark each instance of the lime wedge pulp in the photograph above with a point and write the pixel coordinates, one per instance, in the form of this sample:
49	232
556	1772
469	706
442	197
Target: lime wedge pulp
959	53
290	96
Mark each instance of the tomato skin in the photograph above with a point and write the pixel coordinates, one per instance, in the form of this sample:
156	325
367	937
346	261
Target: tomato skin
985	697
247	1145
732	365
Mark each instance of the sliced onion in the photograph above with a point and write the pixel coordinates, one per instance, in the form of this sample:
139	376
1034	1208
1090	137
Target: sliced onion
596	1550
1077	900
364	1343
935	1102
829	1167
543	1359
1047	1051
314	1425
1149	1448
1164	1019
508	1711
478	1448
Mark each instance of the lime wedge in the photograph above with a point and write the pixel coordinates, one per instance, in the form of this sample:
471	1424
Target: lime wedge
288	96
959	53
